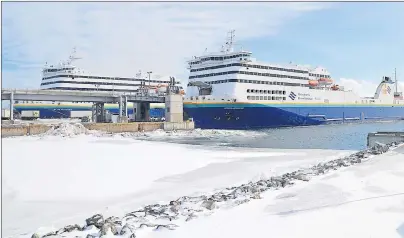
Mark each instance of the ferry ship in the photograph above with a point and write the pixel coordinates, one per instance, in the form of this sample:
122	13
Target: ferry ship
66	76
232	90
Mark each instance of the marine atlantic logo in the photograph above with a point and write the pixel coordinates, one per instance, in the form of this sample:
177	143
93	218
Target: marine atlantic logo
292	95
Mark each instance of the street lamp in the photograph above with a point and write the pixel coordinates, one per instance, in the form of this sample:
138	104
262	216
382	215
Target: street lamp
150	72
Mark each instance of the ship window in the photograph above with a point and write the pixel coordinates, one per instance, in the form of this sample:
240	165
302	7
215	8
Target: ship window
273	98
248	90
265	91
284	98
261	98
248	97
265	97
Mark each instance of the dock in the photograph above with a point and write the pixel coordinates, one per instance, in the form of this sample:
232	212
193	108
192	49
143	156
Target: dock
385	137
10	130
141	102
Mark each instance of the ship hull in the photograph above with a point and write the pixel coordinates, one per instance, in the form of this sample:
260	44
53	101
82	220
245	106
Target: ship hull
49	111
255	116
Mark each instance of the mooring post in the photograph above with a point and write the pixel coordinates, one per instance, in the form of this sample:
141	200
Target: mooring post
11	106
125	106
120	107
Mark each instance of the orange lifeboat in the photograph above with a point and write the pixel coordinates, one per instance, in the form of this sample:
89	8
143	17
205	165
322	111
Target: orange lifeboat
334	87
313	82
325	81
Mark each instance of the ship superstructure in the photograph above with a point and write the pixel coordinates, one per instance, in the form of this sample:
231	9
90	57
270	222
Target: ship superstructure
67	76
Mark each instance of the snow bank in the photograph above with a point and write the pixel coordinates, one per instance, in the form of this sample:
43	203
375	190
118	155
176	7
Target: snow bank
67	129
361	201
170	216
53	181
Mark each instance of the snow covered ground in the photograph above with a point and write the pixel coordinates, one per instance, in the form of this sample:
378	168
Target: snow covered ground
365	200
51	181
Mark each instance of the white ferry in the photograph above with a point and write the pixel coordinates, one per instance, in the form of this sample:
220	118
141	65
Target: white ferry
66	76
232	90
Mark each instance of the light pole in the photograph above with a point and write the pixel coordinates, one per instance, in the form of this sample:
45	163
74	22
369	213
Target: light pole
150	72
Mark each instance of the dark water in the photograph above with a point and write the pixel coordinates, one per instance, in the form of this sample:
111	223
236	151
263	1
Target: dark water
338	136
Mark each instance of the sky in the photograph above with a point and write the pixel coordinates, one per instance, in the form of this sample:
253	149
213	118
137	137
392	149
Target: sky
358	43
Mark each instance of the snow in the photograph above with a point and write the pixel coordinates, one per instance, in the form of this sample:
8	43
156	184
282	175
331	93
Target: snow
365	200
68	129
70	174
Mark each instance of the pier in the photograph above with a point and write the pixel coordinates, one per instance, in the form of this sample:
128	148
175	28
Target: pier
141	101
384	138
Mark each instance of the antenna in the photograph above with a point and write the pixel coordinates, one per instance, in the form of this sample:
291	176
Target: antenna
72	56
395	78
230	41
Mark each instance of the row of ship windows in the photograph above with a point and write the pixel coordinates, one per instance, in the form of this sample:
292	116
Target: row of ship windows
265	98
256	67
255	82
261	67
91	83
249	73
109	78
57	70
266	91
219	58
94	89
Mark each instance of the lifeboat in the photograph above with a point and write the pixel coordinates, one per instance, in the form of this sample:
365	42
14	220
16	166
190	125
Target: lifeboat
335	87
325	81
161	85
313	82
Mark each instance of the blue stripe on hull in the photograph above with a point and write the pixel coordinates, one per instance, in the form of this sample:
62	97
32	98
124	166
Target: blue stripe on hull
250	117
65	112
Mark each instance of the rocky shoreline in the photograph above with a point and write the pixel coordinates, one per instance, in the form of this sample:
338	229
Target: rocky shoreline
186	208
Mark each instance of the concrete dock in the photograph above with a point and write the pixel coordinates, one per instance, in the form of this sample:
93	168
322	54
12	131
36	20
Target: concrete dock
8	130
384	138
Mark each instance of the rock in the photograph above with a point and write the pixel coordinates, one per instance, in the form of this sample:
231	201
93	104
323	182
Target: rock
239	202
256	196
208	204
106	227
174	208
127	229
168	226
379	148
96	220
113	220
174	203
254	190
190	217
35	235
302	177
147	225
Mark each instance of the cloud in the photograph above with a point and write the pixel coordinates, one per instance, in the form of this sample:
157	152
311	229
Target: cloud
363	88
123	38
